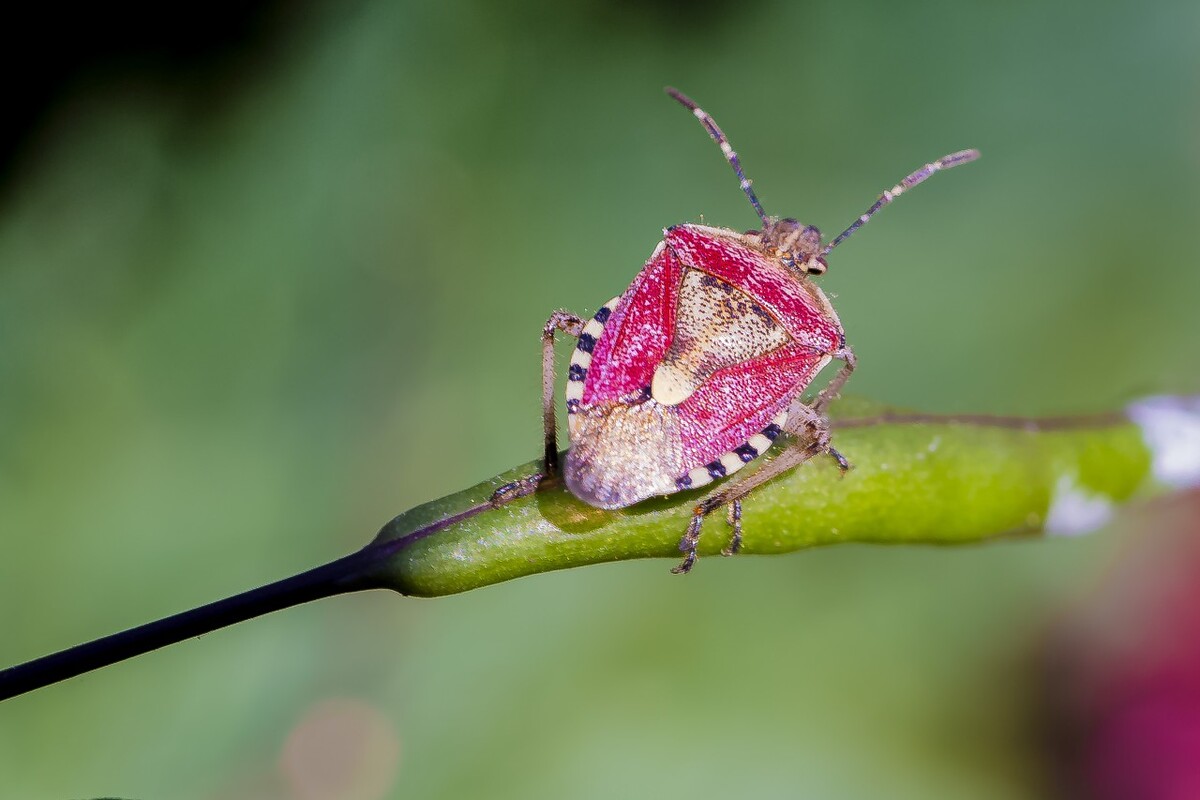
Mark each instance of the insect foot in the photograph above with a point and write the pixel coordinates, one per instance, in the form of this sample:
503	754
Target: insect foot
516	489
691	539
812	439
687	545
823	443
843	464
808	423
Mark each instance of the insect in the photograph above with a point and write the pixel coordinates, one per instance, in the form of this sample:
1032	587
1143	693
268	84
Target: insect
699	366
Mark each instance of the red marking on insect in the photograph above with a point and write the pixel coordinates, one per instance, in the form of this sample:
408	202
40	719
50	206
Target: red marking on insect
699	365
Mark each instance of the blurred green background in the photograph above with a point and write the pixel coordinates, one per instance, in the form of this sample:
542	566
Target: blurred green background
249	313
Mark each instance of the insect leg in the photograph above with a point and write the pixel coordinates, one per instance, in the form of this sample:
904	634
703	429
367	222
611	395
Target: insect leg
687	545
515	489
733	493
830	392
805	421
572	325
735	522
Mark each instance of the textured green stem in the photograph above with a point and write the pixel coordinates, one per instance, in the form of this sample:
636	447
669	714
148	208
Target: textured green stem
916	478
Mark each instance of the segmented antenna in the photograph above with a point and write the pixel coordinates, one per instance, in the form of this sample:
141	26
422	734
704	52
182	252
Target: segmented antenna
719	137
945	162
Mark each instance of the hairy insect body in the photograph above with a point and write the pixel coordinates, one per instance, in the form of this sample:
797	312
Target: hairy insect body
700	365
694	369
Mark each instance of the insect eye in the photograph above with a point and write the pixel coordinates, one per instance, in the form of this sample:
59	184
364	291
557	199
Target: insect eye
817	266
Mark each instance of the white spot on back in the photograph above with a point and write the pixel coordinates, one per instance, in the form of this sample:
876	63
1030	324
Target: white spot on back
1076	510
1171	429
671	386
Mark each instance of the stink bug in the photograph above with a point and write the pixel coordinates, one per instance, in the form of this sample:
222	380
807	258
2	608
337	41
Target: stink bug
700	364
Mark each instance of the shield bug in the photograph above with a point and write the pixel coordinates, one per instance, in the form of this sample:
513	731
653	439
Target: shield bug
698	367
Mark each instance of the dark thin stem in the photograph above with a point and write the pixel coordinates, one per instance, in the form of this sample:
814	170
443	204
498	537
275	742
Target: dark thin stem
351	573
337	577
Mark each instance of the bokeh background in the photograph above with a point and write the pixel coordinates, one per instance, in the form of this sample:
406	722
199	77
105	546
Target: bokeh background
271	274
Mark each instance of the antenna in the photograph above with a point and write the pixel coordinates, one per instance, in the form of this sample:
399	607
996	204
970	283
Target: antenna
945	162
719	137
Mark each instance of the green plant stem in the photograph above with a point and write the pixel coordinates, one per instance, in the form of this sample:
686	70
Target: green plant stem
916	478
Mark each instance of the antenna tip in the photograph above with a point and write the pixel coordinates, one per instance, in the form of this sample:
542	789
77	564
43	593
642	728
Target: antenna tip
961	157
679	96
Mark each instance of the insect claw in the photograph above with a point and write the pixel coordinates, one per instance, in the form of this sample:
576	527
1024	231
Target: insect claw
685	566
516	489
687	544
842	463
